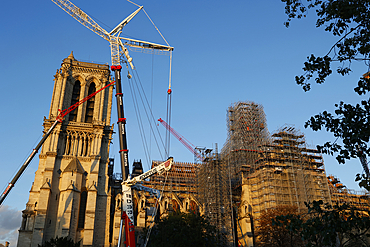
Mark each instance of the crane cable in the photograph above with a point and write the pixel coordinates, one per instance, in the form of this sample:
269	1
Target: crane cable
150	21
169	105
169	91
168	117
137	88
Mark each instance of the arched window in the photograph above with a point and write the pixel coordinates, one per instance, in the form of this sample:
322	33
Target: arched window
193	207
90	105
175	205
82	211
75	98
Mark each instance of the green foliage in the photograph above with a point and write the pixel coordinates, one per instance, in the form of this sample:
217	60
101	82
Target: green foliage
328	226
348	20
364	181
183	230
60	242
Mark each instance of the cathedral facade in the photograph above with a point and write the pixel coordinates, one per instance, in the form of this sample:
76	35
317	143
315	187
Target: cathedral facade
70	195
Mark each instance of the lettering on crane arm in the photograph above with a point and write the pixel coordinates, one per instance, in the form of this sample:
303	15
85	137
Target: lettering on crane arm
126	160
127	205
158	169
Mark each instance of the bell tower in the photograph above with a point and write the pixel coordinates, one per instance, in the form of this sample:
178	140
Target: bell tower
70	196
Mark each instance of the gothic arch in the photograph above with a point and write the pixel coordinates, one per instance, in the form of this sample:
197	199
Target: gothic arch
175	205
78	77
93	79
193	206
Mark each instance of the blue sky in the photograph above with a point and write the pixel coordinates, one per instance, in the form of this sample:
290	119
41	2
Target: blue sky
225	51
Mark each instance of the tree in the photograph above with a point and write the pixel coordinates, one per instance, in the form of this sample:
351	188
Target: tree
271	235
183	229
349	20
60	242
324	225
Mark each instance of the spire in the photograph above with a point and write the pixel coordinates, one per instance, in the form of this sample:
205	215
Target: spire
71	56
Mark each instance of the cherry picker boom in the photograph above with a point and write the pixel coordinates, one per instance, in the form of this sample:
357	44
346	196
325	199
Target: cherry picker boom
59	119
128	208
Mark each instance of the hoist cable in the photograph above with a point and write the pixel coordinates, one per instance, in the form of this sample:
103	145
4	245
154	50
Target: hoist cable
156	28
151	103
139	120
145	103
169	105
168	120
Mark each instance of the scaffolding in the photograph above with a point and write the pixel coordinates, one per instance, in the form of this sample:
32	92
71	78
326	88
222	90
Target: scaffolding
213	194
268	170
247	132
340	195
180	179
287	173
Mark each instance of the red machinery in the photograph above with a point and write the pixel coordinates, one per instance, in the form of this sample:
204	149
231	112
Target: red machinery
59	119
182	139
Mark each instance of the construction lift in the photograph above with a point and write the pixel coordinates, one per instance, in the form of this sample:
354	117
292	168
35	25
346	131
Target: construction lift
118	52
59	119
128	207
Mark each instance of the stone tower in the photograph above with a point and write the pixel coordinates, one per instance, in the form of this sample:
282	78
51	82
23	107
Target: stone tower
70	194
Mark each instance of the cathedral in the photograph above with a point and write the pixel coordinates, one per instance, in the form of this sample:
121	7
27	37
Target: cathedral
70	195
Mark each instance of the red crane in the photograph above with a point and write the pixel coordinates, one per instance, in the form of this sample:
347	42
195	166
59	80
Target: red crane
59	119
182	139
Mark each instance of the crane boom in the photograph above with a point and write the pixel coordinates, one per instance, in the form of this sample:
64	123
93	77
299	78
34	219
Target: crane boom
127	204
182	139
118	49
59	119
123	23
165	166
88	22
82	17
145	44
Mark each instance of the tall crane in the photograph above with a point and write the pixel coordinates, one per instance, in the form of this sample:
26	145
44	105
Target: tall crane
118	51
59	119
